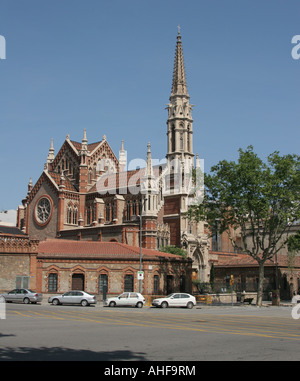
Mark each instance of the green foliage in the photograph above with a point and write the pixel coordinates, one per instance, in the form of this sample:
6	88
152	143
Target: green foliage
202	287
174	250
260	199
294	242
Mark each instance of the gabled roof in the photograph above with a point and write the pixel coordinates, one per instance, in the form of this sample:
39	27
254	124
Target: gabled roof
91	147
68	184
61	248
231	260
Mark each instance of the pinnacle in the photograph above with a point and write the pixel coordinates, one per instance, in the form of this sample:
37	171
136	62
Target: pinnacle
179	86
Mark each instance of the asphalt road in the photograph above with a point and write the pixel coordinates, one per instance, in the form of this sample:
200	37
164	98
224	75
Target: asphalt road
46	332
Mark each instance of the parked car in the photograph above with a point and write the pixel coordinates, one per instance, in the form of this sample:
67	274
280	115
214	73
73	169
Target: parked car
133	299
73	297
22	295
178	299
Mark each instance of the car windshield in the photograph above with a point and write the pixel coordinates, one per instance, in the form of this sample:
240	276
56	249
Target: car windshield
169	296
31	291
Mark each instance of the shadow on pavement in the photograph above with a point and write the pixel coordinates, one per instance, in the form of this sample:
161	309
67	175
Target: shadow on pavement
66	354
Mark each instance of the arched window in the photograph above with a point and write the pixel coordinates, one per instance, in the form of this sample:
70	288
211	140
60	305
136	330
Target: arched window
181	142
69	214
155	284
107	212
52	282
128	283
75	215
128	210
173	138
188	139
134	207
112	209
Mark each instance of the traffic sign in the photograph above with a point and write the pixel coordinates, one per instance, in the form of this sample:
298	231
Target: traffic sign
140	275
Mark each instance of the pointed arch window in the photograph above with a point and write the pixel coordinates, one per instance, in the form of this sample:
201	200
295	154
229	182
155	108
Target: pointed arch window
173	138
181	142
75	216
188	139
128	211
107	212
52	282
69	214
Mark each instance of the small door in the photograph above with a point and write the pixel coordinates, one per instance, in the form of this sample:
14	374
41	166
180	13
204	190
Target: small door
169	284
103	285
78	282
128	283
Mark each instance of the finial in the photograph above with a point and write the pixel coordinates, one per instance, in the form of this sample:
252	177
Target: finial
84	136
178	27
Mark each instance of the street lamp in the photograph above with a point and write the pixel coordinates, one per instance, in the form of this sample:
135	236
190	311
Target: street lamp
140	280
140	217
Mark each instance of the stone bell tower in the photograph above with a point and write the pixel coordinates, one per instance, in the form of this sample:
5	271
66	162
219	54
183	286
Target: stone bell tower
180	122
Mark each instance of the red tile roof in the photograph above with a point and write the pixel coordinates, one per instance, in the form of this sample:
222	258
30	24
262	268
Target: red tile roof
61	248
244	260
90	146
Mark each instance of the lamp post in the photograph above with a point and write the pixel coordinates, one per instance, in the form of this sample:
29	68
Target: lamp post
140	281
140	217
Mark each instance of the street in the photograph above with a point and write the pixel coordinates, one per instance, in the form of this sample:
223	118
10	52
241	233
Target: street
46	332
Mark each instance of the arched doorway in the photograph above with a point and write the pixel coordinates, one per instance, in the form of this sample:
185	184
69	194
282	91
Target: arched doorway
198	266
78	282
103	285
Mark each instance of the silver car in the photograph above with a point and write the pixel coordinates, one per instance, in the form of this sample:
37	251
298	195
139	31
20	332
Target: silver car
132	299
22	295
73	297
177	299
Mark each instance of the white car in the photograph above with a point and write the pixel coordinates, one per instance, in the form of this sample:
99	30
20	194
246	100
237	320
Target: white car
73	297
133	299
177	299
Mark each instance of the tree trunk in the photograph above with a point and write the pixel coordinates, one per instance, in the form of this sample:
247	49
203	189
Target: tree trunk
260	284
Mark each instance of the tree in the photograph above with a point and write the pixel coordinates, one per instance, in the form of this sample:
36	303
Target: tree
261	199
174	250
294	242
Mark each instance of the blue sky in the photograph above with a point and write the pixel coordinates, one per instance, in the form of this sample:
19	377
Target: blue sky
107	66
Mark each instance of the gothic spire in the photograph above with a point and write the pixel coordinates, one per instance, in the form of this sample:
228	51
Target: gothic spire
179	86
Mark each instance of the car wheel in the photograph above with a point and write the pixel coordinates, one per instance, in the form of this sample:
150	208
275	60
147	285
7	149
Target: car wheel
84	303
139	305
164	305
55	302
26	301
112	304
190	305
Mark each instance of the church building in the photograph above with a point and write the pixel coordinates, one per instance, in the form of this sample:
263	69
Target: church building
88	222
73	198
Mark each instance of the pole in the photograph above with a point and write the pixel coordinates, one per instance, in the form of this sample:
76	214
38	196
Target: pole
140	281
